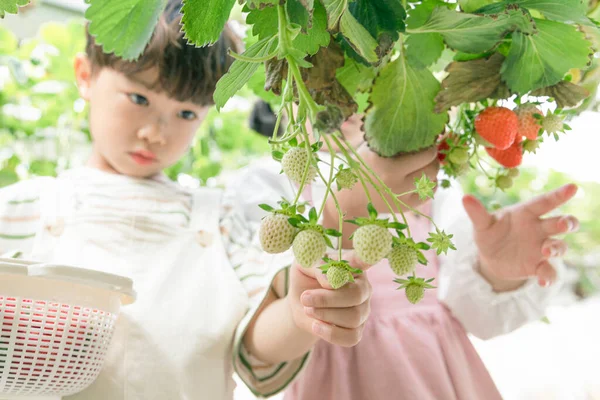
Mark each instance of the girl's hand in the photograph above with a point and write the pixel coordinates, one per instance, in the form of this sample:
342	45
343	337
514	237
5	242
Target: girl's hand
516	243
336	316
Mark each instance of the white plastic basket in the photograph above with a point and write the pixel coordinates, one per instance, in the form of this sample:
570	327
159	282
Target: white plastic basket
56	325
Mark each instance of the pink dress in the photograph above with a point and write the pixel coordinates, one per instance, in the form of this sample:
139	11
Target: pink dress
407	352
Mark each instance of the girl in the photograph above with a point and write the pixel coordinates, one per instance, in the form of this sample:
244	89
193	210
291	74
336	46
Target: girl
495	282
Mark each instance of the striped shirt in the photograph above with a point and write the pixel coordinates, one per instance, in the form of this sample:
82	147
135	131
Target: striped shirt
149	204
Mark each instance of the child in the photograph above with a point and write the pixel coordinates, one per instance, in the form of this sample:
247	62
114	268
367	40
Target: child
494	283
188	253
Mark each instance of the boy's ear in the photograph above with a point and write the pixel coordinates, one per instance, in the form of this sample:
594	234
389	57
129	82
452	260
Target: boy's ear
83	75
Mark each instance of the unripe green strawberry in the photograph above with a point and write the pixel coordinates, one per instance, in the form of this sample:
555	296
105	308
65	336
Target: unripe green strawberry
553	123
513	172
346	179
531	146
414	292
504	182
459	155
372	243
309	247
294	162
276	233
338	277
403	259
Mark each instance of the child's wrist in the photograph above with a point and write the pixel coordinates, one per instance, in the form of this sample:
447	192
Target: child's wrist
498	284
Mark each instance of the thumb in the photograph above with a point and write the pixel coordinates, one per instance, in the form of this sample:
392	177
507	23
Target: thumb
477	213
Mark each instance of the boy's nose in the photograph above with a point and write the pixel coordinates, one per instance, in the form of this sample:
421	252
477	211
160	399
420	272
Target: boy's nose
153	134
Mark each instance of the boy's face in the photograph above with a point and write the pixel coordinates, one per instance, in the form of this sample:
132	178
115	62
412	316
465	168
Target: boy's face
136	131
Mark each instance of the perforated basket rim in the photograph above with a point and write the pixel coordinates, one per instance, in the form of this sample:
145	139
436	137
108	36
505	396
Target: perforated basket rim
82	276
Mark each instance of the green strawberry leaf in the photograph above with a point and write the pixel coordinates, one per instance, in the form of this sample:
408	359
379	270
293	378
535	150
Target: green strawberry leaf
298	14
419	15
383	19
355	76
260	4
266	207
335	9
317	35
264	22
203	20
124	27
425	48
470	6
559	10
240	72
566	94
401	117
474	33
11	6
333	232
421	258
472	81
543	59
358	37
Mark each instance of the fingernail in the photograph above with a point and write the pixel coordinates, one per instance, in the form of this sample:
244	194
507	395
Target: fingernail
569	224
309	311
542	282
553	251
306	299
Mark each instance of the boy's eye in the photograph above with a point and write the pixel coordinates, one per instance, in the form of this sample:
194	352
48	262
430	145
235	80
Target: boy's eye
138	99
189	115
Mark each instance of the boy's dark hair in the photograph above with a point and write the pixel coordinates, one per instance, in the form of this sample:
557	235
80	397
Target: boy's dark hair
186	72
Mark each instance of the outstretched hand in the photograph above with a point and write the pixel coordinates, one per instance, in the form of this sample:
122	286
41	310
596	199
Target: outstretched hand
515	243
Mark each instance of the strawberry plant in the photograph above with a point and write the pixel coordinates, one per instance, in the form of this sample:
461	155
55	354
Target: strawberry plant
465	75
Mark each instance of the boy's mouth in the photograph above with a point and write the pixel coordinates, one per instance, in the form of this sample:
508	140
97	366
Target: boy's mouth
143	157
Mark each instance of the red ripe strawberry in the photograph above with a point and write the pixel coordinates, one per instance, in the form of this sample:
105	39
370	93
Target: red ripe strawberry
498	126
443	151
509	158
529	126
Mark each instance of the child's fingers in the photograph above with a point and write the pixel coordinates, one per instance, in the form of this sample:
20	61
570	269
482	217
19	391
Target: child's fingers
477	213
547	202
337	335
554	248
351	317
546	274
557	225
351	295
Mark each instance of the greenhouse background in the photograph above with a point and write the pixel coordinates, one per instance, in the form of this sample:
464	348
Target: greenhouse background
43	131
